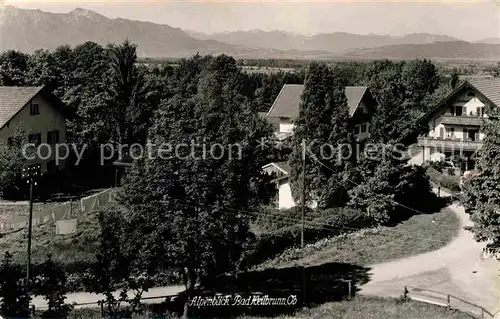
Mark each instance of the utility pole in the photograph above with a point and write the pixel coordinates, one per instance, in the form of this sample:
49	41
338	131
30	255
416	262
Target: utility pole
303	218
303	189
31	175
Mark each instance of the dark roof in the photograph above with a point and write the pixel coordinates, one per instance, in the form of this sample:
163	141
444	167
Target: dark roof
287	104
13	99
489	88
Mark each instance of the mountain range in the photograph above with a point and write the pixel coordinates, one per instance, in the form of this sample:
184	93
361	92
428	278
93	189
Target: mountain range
28	30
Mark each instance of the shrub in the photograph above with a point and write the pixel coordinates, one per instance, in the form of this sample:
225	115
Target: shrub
450	182
438	165
319	224
13	294
270	218
50	283
434	175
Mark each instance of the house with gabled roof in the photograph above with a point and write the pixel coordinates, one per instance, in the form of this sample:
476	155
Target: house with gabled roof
286	107
40	115
285	111
454	125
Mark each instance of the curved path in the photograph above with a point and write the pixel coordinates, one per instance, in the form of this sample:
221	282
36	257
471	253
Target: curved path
457	269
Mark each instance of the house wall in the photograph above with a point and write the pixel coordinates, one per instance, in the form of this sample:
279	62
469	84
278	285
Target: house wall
48	120
286	126
436	129
285	198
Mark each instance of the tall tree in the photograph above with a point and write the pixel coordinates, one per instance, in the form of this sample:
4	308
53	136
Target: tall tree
481	195
324	128
13	67
12	159
189	209
419	78
128	112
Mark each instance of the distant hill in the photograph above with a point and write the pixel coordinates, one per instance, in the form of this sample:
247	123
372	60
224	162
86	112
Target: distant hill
442	50
28	30
489	41
337	42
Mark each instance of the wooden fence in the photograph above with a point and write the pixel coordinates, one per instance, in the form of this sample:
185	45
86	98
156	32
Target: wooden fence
446	300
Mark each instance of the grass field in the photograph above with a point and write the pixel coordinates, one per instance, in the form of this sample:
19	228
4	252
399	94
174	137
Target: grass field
80	246
377	308
359	307
419	234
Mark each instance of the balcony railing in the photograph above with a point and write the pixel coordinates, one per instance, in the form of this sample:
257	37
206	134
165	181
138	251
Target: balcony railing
449	144
462	120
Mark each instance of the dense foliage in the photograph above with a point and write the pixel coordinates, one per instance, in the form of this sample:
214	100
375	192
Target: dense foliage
188	208
481	195
323	130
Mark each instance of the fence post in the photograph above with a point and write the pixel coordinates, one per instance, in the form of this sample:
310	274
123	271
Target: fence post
482	312
349	282
102	308
449	301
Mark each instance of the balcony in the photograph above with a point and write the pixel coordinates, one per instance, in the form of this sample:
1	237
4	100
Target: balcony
444	144
462	120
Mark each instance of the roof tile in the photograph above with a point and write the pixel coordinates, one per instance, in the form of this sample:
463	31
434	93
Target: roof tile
13	99
287	104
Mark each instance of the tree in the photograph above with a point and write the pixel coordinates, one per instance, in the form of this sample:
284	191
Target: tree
323	128
50	283
127	111
495	71
454	79
386	186
12	159
13	295
189	209
116	267
481	195
13	67
419	78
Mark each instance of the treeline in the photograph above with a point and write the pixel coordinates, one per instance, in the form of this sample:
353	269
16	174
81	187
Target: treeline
192	213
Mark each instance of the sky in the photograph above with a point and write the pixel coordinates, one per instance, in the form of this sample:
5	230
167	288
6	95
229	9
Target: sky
472	20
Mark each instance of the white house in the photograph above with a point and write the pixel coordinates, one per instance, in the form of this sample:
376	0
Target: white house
454	125
285	110
37	113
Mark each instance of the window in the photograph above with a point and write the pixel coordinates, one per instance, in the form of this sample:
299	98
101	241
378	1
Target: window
10	141
35	138
478	111
363	128
53	137
357	129
34	109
